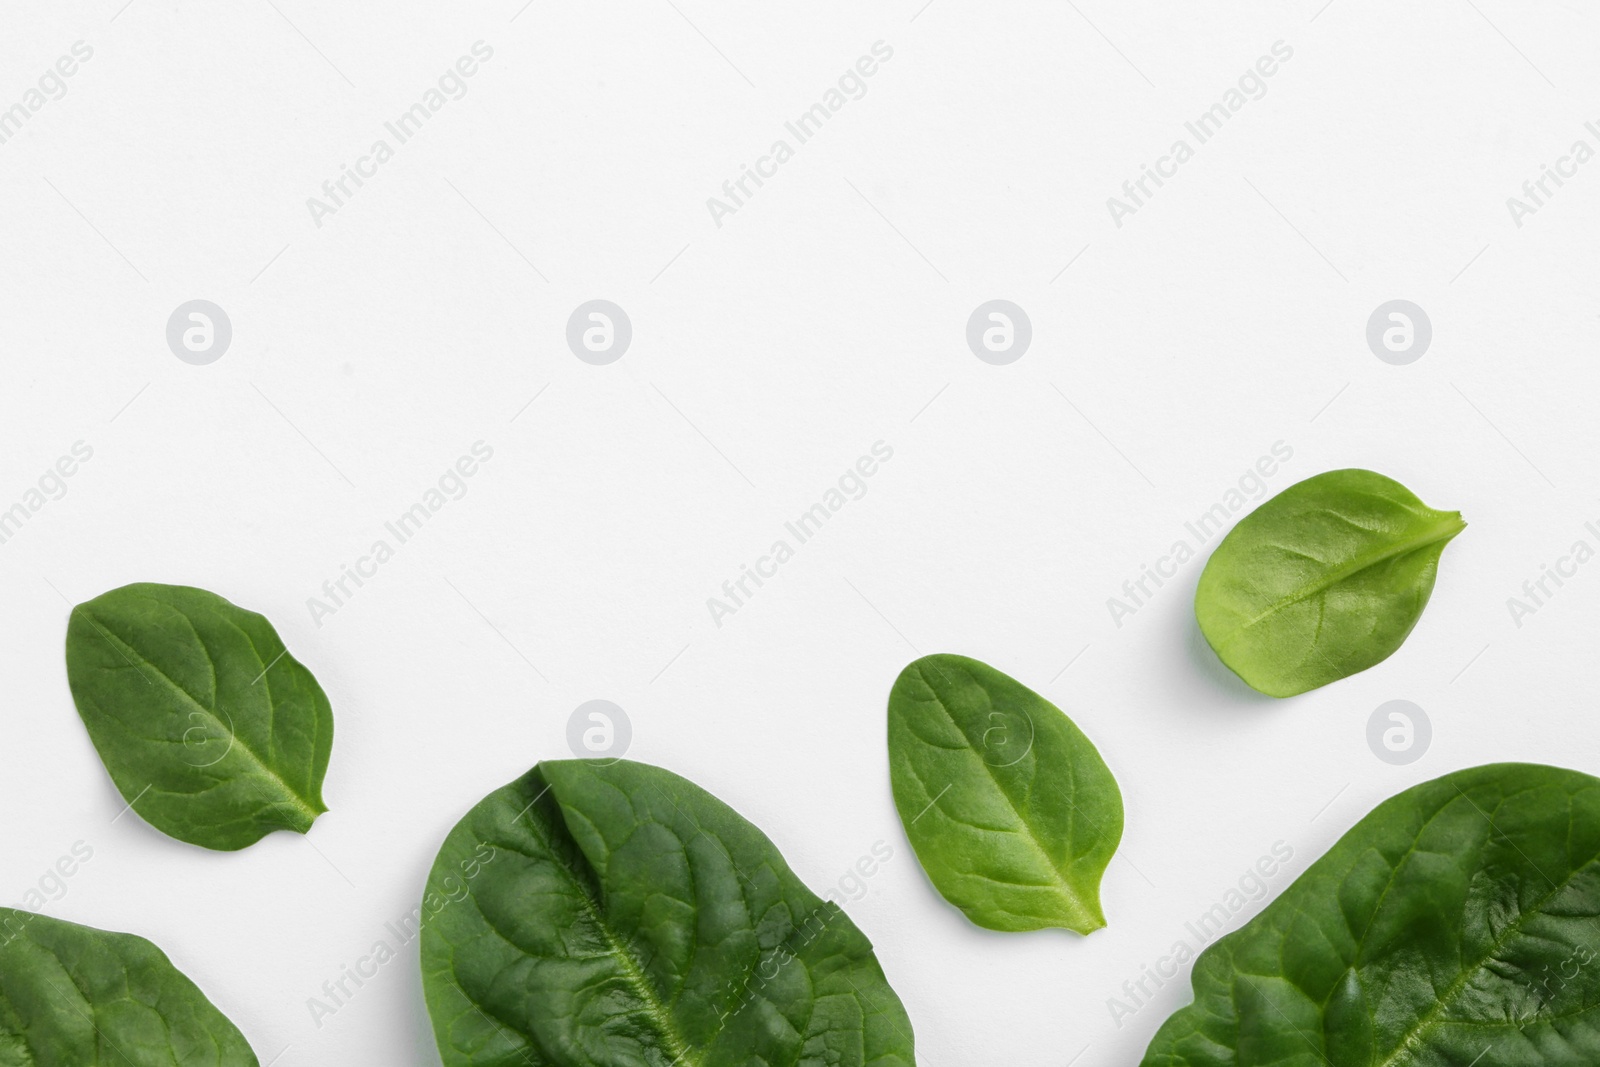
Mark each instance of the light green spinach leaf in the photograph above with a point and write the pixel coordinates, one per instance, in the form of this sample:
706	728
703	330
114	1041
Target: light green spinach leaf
1322	581
1457	924
211	731
72	996
620	916
1011	810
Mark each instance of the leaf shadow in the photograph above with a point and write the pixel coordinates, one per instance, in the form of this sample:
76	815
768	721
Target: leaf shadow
1219	681
419	1030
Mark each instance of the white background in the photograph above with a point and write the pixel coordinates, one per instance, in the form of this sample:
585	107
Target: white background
827	314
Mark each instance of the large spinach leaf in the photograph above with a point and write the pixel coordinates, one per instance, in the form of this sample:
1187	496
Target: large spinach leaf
1008	805
71	996
1322	581
620	916
1457	924
210	729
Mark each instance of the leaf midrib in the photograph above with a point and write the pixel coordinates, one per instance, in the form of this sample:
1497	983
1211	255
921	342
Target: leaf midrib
1441	531
1428	1021
1085	913
678	1046
299	802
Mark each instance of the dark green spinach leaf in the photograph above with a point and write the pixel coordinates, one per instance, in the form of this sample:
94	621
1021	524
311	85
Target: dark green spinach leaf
1011	810
620	916
72	996
1457	924
1322	581
210	729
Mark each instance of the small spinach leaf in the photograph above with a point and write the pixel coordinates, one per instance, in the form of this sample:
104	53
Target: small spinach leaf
72	996
621	916
210	729
1322	581
1011	810
1458	923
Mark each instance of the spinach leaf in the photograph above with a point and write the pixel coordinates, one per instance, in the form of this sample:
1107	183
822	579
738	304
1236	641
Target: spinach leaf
620	916
1458	923
210	729
71	996
1011	810
1322	581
